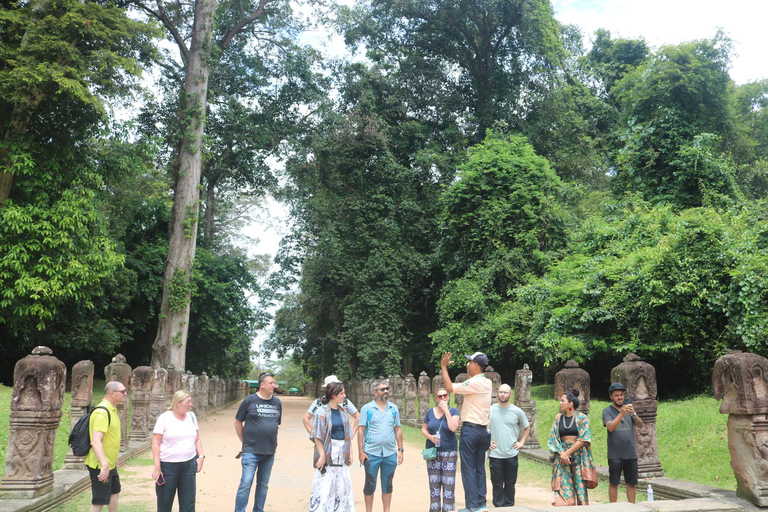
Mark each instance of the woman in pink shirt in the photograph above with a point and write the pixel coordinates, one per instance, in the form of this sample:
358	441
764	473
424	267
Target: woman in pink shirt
178	454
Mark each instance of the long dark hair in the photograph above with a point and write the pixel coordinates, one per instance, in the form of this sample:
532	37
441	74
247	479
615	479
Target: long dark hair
331	390
573	397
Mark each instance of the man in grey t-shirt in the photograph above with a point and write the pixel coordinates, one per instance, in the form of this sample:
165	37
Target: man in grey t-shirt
507	421
620	418
256	423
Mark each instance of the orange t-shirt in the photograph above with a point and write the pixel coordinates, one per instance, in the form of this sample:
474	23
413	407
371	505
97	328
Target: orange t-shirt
477	399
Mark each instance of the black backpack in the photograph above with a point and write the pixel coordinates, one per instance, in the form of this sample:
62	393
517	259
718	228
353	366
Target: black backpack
80	437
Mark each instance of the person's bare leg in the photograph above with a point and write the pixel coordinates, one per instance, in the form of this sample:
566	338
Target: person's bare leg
95	508
113	501
631	493
368	503
613	493
386	499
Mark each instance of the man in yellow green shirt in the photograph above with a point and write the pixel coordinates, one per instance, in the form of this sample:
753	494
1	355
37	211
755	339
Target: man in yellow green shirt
104	428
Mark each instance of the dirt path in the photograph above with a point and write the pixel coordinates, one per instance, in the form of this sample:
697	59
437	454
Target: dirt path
291	481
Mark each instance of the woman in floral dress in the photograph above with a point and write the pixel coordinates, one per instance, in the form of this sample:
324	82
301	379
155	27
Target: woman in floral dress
570	440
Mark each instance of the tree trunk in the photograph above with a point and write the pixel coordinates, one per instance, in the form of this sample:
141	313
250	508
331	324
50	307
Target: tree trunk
210	211
171	342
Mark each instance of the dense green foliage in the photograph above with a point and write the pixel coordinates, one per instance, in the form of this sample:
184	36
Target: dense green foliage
482	181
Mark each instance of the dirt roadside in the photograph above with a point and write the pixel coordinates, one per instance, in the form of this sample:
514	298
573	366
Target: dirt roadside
291	481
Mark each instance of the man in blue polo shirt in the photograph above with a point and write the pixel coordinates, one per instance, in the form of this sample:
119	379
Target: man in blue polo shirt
380	443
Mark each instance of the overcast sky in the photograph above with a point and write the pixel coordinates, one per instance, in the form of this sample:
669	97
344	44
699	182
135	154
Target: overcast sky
663	22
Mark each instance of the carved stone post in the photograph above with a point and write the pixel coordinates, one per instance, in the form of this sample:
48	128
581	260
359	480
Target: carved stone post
367	395
424	394
38	390
457	397
523	381
640	380
141	398
213	391
741	381
572	377
157	397
437	383
410	397
172	384
120	371
82	395
202	402
397	390
492	374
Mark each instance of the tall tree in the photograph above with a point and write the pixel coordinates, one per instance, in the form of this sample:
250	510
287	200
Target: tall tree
203	32
490	57
65	54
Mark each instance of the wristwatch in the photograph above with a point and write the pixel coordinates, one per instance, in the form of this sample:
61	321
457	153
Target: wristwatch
400	450
201	456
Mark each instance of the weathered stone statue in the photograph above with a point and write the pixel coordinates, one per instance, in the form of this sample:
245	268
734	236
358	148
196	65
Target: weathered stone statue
741	381
213	391
120	371
39	381
82	395
157	400
457	397
202	402
437	383
572	377
141	398
640	380
424	394
397	390
410	397
523	381
492	374
172	384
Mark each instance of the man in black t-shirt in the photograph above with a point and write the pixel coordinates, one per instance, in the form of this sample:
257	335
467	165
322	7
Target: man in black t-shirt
256	424
619	418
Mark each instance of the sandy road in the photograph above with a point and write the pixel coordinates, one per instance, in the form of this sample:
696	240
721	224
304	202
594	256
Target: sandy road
291	481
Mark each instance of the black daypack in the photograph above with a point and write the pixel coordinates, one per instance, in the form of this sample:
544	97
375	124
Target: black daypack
80	437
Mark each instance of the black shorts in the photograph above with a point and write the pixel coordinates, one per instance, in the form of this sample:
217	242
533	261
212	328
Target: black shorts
103	491
627	466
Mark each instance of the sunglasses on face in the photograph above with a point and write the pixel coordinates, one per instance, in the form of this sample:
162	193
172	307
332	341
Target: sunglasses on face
443	396
383	389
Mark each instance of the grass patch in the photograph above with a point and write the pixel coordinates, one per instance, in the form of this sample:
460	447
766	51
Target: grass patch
692	436
83	502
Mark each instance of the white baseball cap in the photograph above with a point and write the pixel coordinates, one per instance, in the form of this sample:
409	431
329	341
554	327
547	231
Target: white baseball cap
330	379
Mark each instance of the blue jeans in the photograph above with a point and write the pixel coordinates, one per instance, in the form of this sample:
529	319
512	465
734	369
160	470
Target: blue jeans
474	442
180	477
251	462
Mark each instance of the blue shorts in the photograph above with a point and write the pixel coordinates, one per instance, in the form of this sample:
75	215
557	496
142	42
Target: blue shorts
372	465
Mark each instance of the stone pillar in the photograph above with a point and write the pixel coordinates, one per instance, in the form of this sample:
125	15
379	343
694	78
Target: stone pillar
202	384
367	395
157	397
172	385
459	399
640	380
213	391
82	395
437	383
523	381
410	397
424	394
492	374
141	398
741	381
120	371
39	381
397	390
572	377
